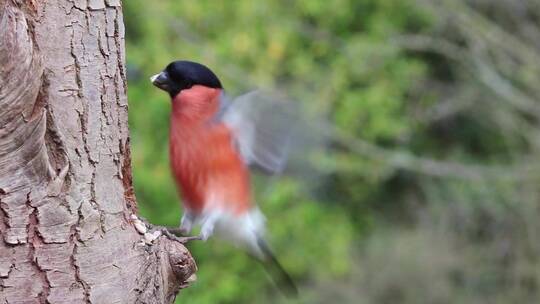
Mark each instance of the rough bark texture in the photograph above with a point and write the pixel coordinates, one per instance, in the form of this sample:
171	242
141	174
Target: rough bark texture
66	196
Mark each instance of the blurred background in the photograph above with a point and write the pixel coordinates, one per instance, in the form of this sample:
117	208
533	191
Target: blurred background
431	187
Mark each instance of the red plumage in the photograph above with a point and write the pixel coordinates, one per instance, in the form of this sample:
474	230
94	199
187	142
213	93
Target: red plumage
203	158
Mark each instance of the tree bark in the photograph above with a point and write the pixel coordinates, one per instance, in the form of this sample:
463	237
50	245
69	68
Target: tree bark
66	197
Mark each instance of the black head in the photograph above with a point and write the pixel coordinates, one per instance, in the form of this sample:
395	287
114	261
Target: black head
182	74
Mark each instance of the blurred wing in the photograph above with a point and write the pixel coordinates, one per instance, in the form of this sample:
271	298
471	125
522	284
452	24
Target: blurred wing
263	128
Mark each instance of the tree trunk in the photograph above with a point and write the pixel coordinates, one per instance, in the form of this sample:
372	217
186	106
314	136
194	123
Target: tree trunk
66	198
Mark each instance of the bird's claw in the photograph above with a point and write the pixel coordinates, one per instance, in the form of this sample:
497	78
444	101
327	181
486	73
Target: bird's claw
181	239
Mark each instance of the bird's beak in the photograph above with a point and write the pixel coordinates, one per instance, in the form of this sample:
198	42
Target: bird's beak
161	81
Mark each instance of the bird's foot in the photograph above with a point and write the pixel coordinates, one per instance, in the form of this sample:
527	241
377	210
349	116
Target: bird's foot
174	234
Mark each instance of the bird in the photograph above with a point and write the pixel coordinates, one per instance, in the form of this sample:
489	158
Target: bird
215	143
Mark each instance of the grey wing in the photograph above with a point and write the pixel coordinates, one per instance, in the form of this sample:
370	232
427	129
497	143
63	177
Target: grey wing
263	126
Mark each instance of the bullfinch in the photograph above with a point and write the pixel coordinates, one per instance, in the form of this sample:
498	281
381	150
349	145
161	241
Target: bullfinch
214	141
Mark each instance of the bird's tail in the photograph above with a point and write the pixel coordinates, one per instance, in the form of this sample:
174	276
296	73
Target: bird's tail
282	279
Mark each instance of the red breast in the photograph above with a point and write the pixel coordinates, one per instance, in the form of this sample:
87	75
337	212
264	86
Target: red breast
207	168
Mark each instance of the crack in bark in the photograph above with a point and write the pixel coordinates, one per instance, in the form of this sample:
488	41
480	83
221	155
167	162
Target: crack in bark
75	238
120	57
104	53
35	240
5	215
102	93
94	204
73	261
78	79
127	179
